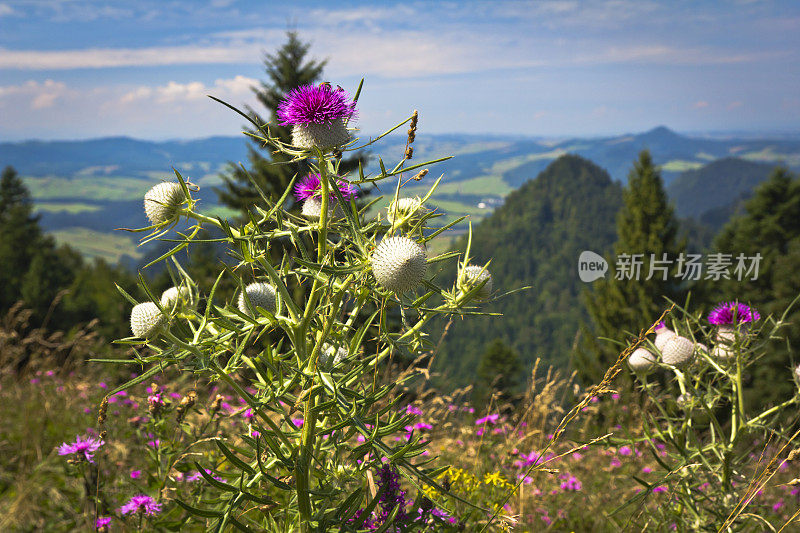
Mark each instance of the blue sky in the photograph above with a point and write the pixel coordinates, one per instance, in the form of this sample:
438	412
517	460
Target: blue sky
81	68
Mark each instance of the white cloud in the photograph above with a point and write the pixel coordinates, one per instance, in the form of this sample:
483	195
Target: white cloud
33	94
232	88
6	10
125	57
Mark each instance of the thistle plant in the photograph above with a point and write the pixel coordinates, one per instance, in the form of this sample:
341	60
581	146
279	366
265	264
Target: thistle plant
697	425
307	364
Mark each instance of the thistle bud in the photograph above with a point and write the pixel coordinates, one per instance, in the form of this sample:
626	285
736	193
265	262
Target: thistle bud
678	351
161	203
399	264
146	320
175	297
642	361
473	276
406	208
216	405
187	402
663	334
258	295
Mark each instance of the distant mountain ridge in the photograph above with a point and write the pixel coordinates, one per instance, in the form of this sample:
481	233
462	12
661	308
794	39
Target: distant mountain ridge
97	184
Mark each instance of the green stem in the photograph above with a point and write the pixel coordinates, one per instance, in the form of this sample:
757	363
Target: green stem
307	437
209	220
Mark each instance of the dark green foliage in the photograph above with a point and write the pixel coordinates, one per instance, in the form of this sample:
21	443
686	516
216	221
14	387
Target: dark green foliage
645	225
61	291
535	240
715	185
770	227
19	233
500	370
287	70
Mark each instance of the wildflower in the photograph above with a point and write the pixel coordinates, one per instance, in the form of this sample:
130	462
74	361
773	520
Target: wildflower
257	295
412	410
777	506
646	470
161	203
625	450
659	489
678	351
729	313
571	484
642	361
399	264
136	474
310	186
318	114
155	403
141	503
102	522
491	419
471	277
83	448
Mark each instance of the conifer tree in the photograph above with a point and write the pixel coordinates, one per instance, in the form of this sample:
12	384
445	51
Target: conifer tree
769	228
500	369
286	70
627	301
20	232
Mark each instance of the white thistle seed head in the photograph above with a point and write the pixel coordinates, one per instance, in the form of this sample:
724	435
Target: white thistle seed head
146	320
162	201
411	208
399	264
260	295
662	337
642	361
472	276
322	136
678	351
175	297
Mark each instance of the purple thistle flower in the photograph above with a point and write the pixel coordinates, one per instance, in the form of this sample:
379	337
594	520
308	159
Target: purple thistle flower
141	503
728	313
102	522
310	186
83	448
311	104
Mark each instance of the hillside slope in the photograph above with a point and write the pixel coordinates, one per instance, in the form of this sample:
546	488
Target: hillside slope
715	185
535	239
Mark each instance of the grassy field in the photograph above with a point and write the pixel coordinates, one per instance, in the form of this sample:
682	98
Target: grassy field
108	246
73	208
88	188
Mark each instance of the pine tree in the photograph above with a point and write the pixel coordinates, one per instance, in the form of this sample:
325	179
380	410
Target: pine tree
770	227
19	233
500	369
287	69
645	225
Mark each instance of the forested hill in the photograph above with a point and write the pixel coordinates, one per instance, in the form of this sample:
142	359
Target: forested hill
716	185
535	239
